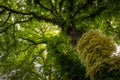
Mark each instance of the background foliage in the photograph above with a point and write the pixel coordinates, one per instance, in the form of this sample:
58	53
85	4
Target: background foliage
38	38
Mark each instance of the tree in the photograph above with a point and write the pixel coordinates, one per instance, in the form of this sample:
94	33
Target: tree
27	31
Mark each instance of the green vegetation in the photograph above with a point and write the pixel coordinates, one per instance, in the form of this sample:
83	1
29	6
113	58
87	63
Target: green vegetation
39	39
96	53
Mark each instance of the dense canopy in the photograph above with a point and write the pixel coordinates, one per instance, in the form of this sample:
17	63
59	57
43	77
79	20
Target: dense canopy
39	39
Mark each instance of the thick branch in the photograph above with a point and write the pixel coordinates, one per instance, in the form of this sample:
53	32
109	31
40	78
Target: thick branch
36	16
60	22
53	11
45	8
42	17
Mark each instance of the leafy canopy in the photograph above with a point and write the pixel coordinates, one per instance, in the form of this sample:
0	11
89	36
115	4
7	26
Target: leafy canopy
38	37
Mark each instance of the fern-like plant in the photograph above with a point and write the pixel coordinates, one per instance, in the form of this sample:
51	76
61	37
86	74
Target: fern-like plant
95	52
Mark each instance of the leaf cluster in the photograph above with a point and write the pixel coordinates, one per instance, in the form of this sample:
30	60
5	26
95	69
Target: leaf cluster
95	52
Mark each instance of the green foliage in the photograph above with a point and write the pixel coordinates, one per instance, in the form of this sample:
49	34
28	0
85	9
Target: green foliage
108	69
69	64
36	38
95	52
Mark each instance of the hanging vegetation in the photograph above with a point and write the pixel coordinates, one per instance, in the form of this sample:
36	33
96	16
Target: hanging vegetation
95	52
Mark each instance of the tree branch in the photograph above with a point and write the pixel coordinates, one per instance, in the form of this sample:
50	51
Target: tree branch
42	6
42	17
52	20
60	5
55	12
14	11
9	14
95	13
52	10
85	5
32	41
4	30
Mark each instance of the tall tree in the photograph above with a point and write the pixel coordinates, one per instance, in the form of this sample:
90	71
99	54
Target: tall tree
27	26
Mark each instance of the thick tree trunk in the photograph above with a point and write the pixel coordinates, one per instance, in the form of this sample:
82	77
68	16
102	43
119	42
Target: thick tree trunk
73	32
